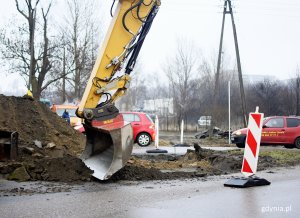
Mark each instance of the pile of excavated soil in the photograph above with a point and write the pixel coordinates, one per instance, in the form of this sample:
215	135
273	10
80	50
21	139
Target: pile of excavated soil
48	146
201	163
35	123
191	165
63	169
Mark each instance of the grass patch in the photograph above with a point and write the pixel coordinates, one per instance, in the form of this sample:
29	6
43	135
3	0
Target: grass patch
283	156
236	152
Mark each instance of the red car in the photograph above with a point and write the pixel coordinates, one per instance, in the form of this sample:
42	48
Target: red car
142	125
278	130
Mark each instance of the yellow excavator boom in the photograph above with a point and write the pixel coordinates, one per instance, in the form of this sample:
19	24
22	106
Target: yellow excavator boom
123	36
109	142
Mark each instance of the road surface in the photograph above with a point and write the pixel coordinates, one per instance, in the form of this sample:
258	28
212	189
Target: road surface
185	198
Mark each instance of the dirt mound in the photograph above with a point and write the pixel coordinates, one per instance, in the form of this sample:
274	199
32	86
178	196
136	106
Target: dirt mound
37	124
63	169
48	146
135	173
201	163
66	169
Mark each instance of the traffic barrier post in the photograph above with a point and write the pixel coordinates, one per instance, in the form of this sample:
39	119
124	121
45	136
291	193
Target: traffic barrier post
251	154
156	142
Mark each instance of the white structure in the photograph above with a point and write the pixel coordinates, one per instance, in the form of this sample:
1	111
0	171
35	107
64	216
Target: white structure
159	106
157	132
204	121
252	79
181	132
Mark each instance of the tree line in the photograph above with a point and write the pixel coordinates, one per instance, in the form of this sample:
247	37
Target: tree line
48	51
190	83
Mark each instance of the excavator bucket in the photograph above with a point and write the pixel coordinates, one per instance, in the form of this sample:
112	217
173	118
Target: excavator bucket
108	146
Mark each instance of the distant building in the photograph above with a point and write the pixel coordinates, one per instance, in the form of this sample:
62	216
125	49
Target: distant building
252	78
163	106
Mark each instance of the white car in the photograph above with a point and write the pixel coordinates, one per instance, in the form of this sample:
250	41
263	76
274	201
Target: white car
204	121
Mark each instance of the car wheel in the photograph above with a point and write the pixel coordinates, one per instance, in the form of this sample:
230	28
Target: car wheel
240	145
297	143
143	139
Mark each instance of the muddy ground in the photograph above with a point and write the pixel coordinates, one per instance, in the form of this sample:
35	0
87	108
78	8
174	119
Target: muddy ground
49	149
200	164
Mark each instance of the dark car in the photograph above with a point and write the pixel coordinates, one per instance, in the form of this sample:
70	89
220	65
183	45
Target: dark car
277	130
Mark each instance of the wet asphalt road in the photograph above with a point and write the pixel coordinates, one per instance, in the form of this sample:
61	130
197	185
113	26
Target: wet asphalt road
190	198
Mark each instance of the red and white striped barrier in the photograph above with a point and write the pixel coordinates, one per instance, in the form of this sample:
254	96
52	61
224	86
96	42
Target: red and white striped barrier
252	143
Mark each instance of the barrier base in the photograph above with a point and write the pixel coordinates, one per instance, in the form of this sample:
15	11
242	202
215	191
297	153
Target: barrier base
243	182
157	151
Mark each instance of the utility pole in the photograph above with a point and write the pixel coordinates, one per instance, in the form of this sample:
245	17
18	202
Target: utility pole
228	10
216	91
239	66
217	79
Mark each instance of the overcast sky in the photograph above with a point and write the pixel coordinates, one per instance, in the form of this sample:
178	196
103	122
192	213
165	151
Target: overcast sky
268	33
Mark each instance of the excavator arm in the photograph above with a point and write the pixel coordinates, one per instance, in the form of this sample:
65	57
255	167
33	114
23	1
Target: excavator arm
109	80
110	139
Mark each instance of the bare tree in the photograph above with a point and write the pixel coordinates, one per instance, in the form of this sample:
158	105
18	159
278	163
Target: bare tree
266	94
30	57
287	96
180	70
79	35
206	89
297	91
30	16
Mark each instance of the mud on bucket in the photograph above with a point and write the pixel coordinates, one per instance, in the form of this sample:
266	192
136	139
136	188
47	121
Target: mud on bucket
108	147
